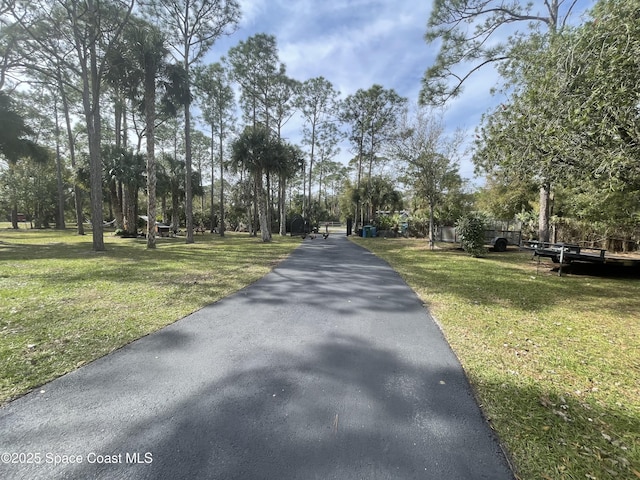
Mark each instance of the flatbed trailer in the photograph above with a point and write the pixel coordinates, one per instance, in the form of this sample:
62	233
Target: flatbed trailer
567	253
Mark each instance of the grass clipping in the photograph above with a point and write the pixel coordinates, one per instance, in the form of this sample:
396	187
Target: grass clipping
555	362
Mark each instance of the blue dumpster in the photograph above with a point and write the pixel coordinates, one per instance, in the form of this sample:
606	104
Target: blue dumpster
366	231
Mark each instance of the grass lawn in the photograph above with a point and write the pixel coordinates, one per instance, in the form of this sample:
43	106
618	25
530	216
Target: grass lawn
62	305
555	362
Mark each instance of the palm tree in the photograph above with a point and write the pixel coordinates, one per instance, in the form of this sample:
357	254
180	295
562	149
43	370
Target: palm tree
290	162
126	168
173	171
381	194
254	151
141	60
149	47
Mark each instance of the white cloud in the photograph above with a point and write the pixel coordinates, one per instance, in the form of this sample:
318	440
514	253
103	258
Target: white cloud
356	43
251	11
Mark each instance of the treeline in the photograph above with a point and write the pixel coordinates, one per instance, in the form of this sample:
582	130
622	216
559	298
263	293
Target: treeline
102	97
572	125
565	142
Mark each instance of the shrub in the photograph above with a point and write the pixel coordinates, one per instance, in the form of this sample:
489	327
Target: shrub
384	222
418	227
471	229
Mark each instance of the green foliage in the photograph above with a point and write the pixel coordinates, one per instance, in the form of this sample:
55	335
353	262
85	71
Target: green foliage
427	160
529	223
418	227
372	117
15	142
381	194
571	122
386	222
471	229
465	30
31	188
503	198
456	203
602	60
196	24
256	67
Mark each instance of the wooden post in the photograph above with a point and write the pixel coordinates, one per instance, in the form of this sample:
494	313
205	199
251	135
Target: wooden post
561	260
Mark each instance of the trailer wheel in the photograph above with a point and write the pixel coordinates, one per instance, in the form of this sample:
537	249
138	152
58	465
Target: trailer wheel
500	245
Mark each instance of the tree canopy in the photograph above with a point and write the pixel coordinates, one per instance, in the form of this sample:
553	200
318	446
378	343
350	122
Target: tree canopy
572	120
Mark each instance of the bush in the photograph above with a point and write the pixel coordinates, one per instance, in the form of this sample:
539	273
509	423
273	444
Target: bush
471	229
418	227
384	222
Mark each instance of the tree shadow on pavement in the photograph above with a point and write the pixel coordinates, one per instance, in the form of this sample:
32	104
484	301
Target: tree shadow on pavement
346	409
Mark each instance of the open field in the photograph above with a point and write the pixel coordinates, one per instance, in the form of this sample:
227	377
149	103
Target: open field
555	362
62	305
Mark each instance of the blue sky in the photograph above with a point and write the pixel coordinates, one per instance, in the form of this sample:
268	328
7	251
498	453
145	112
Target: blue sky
357	43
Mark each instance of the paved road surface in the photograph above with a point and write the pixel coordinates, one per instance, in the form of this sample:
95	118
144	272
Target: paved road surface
327	368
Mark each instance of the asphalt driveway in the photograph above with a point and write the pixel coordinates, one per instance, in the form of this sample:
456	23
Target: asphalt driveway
327	368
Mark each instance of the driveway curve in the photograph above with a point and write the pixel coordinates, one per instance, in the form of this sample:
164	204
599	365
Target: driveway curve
329	367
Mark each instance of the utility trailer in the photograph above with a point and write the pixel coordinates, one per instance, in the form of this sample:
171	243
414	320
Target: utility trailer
499	240
567	253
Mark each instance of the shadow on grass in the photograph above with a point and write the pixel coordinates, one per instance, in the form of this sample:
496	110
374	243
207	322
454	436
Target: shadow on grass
127	260
564	436
508	279
321	273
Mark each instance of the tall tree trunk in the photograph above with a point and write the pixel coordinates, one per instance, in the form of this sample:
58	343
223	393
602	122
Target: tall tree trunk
432	242
282	198
313	144
116	203
188	190
357	220
95	164
175	187
269	202
14	197
117	114
263	215
175	205
304	188
221	224
150	113
256	219
60	224
543	218
91	104
91	107
77	190
320	185
213	216
130	218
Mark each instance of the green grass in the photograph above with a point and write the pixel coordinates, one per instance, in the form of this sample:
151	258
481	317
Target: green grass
63	305
555	362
